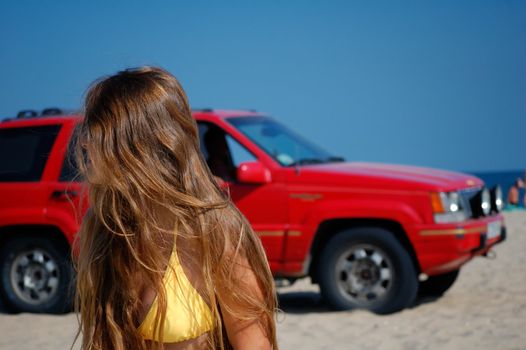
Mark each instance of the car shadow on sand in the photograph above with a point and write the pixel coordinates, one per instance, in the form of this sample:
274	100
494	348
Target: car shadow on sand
3	308
290	302
302	302
299	302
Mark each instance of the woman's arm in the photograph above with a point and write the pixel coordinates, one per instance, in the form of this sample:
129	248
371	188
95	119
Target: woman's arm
243	334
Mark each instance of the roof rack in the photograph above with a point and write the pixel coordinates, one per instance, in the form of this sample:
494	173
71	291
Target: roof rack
46	112
27	113
52	111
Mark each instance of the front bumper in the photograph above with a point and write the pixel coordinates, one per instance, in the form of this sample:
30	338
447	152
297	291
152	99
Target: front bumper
441	248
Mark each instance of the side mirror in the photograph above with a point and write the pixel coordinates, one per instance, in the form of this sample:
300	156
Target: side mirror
253	172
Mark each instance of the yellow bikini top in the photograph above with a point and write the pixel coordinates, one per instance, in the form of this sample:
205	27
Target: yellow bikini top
187	314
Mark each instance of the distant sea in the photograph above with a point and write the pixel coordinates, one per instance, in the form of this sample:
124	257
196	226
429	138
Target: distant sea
503	178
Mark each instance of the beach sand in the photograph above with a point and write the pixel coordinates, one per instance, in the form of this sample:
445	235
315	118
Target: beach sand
485	309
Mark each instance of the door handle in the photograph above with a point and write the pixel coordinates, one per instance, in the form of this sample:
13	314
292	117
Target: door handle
63	194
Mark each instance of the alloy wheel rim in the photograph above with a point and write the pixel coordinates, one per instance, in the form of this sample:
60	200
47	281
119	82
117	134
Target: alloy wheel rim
364	274
35	276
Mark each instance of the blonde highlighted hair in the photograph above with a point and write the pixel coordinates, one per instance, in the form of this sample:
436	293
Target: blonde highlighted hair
138	152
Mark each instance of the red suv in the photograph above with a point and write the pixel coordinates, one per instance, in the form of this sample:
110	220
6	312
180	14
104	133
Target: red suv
371	235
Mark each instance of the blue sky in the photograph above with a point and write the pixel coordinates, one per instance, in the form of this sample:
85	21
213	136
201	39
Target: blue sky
432	83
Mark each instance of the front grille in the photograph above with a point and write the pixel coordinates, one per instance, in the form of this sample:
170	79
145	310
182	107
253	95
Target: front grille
465	197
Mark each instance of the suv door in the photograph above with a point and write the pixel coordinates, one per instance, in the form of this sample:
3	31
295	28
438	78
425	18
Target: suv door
24	152
264	205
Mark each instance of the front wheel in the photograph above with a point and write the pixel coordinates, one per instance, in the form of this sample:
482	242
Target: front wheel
35	275
367	268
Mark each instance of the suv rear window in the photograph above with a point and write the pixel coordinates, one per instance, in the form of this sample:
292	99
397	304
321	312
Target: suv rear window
24	152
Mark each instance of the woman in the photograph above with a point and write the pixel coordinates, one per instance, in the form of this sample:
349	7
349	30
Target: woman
514	194
165	261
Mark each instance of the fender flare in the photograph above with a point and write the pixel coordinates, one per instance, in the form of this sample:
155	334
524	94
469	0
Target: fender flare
394	215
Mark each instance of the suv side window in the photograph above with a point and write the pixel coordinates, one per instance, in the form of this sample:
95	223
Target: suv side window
221	151
238	152
24	152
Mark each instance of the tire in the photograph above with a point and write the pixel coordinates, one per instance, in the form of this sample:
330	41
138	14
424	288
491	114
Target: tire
36	273
436	286
367	268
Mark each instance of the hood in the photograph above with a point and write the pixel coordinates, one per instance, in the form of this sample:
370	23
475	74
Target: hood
387	176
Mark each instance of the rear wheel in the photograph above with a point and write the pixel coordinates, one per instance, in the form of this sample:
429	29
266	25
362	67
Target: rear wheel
367	268
35	275
437	285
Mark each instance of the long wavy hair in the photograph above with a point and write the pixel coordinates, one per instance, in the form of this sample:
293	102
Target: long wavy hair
138	152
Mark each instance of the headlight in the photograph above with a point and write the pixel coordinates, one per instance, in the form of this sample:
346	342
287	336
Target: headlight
447	207
497	201
454	202
481	203
485	201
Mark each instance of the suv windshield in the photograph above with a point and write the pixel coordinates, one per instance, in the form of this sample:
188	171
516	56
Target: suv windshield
281	143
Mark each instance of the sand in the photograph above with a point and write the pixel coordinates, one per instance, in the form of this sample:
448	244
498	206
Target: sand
485	309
